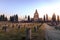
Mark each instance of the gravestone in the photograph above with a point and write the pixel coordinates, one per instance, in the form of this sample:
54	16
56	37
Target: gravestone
28	34
19	27
4	28
12	26
38	27
35	29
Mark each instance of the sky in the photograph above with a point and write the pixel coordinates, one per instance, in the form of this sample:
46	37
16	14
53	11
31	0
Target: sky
28	7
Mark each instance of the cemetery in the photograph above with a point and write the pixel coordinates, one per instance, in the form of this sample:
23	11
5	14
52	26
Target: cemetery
21	31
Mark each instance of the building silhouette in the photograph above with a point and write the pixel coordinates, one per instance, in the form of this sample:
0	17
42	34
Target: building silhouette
25	16
53	17
28	18
46	17
36	16
58	18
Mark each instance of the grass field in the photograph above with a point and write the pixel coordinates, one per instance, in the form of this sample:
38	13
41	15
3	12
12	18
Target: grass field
20	34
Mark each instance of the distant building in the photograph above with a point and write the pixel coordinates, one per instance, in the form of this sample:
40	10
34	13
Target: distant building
53	17
36	16
58	18
28	18
40	19
46	17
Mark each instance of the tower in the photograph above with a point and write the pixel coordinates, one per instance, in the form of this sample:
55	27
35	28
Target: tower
46	17
58	18
28	18
36	15
53	17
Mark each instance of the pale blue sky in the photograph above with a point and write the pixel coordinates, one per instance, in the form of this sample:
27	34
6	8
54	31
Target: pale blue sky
28	7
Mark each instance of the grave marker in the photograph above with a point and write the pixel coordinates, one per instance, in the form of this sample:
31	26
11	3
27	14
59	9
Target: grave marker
28	34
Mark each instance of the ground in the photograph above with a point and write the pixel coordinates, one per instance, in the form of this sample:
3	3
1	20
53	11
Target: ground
20	34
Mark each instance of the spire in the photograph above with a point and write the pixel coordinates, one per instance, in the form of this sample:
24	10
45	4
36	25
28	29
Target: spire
36	15
36	11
